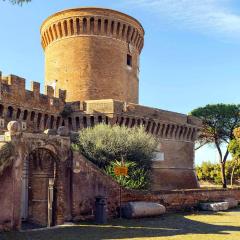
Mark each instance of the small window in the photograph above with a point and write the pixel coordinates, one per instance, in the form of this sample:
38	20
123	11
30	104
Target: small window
129	60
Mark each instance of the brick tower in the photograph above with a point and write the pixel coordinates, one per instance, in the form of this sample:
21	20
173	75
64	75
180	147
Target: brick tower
93	53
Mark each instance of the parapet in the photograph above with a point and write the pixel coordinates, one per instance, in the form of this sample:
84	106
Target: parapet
13	91
92	21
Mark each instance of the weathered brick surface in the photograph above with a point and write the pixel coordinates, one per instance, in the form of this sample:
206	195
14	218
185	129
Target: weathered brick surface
86	52
180	200
89	183
93	182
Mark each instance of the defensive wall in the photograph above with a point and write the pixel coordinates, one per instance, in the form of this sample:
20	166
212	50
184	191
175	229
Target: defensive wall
86	178
173	166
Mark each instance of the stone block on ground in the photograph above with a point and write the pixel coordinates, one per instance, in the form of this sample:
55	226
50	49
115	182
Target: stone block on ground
142	209
214	206
232	202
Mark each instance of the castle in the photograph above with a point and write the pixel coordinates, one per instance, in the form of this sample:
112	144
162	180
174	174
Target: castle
92	76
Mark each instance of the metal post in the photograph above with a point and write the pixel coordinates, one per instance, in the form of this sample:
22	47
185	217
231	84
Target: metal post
50	201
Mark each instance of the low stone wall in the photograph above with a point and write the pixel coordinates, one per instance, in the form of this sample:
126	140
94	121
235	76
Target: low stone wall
87	183
182	200
90	182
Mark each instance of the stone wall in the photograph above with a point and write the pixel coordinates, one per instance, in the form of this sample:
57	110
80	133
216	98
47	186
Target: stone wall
87	182
37	111
10	196
182	200
90	182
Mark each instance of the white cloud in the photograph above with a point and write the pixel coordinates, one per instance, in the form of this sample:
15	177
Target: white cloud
204	15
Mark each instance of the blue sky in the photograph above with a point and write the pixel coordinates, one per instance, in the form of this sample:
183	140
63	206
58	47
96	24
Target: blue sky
190	58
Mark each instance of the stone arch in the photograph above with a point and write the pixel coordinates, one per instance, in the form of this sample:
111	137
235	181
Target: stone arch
18	113
10	112
25	115
84	25
91	25
1	110
71	27
44	175
78	26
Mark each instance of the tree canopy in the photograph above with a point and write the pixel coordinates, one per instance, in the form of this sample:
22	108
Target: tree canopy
20	2
107	146
219	121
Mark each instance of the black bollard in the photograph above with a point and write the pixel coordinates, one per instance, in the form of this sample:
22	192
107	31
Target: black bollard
101	210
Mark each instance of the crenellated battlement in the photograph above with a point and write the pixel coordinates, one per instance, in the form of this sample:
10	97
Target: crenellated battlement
13	89
36	110
92	21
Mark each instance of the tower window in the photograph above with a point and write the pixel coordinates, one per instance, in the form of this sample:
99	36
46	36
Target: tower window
129	60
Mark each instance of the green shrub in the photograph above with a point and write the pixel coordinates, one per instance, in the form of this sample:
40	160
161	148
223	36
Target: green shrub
104	145
211	172
137	178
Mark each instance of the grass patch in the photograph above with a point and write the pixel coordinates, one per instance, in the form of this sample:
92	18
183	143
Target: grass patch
200	226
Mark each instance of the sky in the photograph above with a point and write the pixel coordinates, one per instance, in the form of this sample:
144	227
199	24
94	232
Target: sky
190	57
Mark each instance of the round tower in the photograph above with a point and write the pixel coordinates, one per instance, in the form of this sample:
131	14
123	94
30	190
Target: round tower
93	53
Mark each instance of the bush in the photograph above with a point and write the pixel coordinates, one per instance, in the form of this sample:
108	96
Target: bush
104	145
137	178
211	172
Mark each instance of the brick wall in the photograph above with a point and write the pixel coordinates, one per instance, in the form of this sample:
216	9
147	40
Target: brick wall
95	43
90	182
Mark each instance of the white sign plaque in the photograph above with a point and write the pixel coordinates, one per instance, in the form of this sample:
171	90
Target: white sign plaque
159	156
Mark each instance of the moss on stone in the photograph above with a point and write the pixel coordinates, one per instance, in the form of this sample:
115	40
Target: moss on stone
6	151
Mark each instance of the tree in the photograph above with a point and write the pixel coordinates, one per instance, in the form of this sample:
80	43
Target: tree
234	149
219	121
20	2
107	145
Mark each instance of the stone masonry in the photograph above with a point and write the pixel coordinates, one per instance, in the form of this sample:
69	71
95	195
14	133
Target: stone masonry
97	44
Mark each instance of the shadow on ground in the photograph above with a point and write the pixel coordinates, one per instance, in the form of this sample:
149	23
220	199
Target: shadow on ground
169	225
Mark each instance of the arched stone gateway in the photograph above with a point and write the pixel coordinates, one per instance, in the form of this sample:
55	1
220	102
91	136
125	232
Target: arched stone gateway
39	195
41	179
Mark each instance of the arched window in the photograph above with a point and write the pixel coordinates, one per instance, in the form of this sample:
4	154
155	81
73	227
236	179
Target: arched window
39	118
99	25
77	122
118	28
153	127
78	25
106	120
92	121
45	120
105	26
84	25
51	121
58	122
65	27
1	110
32	116
100	119
55	31
60	29
71	26
91	25
25	115
84	122
10	112
112	27
70	123
18	113
133	122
